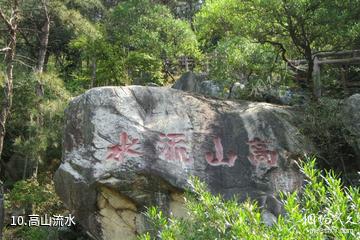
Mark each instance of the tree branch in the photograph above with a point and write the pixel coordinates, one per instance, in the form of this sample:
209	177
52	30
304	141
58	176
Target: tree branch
25	57
5	49
27	41
4	18
46	10
23	63
283	54
29	29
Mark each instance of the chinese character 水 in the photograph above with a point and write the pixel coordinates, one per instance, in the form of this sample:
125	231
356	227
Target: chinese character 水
126	147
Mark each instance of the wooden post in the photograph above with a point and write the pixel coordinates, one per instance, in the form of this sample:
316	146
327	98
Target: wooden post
317	78
340	58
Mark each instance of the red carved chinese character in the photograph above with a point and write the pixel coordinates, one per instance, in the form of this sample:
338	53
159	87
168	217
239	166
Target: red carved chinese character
259	153
173	147
125	147
219	155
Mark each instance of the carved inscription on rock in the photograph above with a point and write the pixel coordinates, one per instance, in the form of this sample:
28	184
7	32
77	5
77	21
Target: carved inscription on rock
127	146
173	147
218	159
261	154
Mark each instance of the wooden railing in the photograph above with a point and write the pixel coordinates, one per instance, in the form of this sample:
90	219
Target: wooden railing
340	58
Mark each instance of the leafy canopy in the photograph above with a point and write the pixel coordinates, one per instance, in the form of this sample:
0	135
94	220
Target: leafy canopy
148	36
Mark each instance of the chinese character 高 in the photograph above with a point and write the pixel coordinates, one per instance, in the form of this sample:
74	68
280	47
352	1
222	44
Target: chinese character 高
260	154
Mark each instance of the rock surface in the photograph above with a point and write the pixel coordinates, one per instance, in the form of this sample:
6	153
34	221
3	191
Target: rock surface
209	88
196	83
236	89
351	116
127	148
188	82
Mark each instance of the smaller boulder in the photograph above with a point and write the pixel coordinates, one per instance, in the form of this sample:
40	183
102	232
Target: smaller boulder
152	84
235	90
196	83
187	82
209	88
351	120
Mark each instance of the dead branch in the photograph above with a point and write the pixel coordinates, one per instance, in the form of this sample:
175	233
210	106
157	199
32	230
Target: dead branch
5	49
4	18
23	63
283	54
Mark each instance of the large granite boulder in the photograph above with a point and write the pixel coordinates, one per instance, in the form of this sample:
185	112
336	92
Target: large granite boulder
126	148
351	116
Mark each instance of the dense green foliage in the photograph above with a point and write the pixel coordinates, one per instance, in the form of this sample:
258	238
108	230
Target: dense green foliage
43	198
294	28
247	61
149	38
324	210
30	139
40	194
333	138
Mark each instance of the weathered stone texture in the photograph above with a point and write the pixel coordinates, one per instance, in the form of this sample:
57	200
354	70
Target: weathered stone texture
126	148
351	117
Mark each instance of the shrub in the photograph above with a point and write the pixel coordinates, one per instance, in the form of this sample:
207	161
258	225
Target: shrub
41	196
323	124
324	210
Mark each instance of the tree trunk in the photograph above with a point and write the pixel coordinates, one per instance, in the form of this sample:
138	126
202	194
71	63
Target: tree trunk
47	56
316	77
8	89
310	71
44	40
39	88
2	209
